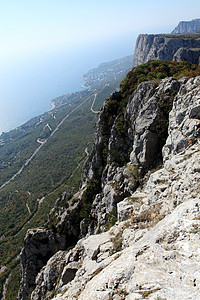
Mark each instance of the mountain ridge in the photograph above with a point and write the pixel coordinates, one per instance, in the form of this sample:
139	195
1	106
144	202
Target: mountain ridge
187	26
177	47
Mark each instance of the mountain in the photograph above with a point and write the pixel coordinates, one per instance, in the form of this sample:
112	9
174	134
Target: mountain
42	159
187	26
178	47
129	228
132	230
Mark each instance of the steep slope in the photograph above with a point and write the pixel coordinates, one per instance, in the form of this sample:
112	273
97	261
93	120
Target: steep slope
119	182
187	26
40	160
152	252
176	47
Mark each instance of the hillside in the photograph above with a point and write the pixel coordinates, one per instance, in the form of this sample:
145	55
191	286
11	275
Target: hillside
135	220
106	72
39	161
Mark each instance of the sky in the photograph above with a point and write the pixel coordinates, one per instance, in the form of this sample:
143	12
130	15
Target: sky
46	45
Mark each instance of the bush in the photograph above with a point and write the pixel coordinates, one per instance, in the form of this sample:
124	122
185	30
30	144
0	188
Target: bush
111	219
156	70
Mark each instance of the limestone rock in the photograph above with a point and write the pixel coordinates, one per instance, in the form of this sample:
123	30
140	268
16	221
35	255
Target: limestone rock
154	250
163	263
165	47
144	141
187	26
47	277
184	126
84	260
41	244
144	110
185	54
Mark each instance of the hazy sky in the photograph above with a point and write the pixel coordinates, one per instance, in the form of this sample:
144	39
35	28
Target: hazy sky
39	35
28	27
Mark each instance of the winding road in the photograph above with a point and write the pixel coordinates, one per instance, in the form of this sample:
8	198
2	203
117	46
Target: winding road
44	142
91	108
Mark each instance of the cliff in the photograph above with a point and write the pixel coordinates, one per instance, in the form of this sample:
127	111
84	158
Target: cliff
176	47
138	207
187	26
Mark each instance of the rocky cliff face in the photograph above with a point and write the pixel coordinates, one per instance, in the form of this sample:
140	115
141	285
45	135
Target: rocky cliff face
142	143
176	47
41	244
152	192
187	26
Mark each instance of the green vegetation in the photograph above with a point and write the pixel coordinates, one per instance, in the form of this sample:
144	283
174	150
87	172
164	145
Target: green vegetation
185	35
156	70
13	284
10	269
111	219
93	187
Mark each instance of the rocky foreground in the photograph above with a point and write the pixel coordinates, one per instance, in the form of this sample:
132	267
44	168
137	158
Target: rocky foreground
153	250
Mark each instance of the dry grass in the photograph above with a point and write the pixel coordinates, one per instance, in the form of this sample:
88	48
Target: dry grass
147	218
145	294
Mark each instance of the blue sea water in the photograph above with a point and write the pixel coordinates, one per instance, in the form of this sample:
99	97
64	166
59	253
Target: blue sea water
28	85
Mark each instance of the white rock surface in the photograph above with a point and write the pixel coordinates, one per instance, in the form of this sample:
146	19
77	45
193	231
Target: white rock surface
161	260
153	251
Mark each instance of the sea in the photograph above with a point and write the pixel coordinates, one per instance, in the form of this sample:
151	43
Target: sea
28	85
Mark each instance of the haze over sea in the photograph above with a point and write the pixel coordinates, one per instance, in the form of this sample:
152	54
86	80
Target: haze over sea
28	86
46	46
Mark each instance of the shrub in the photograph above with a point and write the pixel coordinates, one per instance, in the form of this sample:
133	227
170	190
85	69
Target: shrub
111	219
156	70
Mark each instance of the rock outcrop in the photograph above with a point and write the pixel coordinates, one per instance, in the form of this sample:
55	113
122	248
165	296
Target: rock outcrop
40	245
187	26
176	47
142	142
152	251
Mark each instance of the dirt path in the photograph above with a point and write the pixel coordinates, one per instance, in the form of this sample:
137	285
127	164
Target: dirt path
5	288
91	108
28	208
86	151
